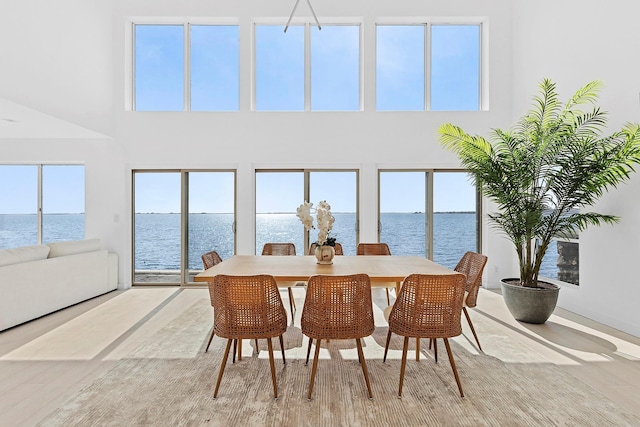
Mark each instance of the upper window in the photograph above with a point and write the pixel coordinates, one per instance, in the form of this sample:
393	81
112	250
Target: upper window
211	80
427	67
331	82
455	67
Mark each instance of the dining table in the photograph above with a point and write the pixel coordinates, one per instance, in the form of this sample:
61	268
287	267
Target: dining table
381	269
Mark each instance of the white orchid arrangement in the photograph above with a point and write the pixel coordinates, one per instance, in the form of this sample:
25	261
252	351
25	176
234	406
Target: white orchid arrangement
324	220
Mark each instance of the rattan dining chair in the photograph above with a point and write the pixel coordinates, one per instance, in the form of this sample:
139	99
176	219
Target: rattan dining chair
337	307
283	249
337	248
471	265
209	260
248	307
428	306
377	249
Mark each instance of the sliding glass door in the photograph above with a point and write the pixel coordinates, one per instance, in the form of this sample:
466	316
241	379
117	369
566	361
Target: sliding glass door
428	213
280	192
178	216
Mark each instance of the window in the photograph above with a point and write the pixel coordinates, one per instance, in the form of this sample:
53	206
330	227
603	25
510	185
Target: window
427	67
402	222
330	83
163	251
335	68
455	218
212	80
400	67
44	203
215	72
455	67
428	212
62	202
279	193
159	67
279	68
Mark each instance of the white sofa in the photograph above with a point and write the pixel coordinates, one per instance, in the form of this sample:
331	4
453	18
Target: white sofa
41	279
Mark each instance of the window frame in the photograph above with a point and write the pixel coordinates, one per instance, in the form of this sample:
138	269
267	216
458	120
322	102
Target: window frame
184	220
429	205
308	23
428	23
40	194
130	57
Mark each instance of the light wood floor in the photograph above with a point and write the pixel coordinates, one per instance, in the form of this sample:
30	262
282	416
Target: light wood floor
45	361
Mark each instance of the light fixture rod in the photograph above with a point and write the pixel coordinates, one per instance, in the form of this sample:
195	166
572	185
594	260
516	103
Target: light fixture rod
295	6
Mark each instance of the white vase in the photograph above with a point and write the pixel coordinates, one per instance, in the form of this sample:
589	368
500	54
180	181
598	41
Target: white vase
325	254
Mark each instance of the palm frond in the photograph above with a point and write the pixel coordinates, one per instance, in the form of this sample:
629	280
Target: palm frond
552	163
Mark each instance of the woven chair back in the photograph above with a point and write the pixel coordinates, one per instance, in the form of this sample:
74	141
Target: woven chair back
210	259
429	306
338	307
471	265
337	249
279	249
247	307
373	249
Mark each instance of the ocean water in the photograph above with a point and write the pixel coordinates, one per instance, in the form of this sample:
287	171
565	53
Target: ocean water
157	236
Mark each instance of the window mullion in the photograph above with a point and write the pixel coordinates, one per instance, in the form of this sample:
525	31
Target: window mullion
39	220
187	67
427	66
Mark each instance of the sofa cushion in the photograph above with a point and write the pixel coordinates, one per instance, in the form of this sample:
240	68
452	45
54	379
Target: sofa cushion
73	247
23	254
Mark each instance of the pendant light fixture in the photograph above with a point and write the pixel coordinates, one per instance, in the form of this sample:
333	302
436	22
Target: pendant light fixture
295	6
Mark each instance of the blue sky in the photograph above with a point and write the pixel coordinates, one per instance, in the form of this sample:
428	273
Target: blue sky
280	80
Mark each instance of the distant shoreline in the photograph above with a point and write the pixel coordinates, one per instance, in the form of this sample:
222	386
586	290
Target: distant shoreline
229	213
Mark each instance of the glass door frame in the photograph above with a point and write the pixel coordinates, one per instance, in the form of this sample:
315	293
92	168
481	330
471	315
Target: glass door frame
184	220
429	175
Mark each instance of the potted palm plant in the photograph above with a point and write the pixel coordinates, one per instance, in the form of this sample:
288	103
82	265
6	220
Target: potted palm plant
543	174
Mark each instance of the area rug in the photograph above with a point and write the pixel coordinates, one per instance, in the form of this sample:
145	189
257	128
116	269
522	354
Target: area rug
169	381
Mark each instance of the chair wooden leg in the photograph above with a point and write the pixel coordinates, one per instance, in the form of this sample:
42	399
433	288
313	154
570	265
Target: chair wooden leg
386	347
364	367
435	349
388	300
315	367
430	343
308	351
405	347
257	348
418	349
453	365
273	368
466	313
239	349
222	365
292	303
213	332
235	348
284	360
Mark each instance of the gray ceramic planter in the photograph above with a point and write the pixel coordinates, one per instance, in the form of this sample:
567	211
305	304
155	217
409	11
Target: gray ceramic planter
530	305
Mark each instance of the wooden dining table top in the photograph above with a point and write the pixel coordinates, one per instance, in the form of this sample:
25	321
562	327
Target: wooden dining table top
390	268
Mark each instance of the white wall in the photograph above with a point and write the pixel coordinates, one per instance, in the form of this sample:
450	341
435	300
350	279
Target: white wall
573	42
